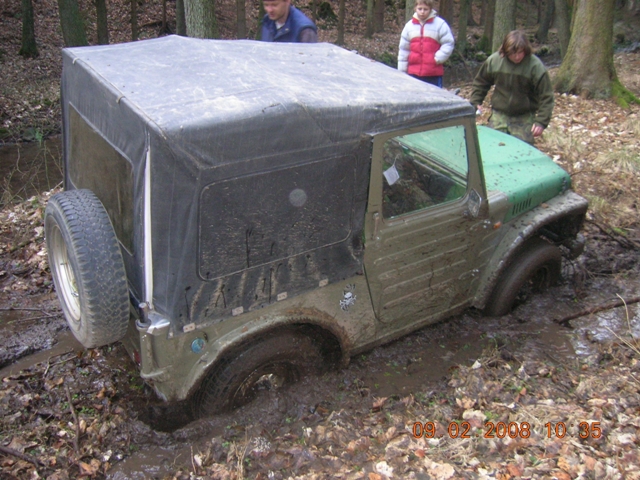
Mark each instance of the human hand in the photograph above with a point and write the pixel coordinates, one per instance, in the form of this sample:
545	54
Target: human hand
537	130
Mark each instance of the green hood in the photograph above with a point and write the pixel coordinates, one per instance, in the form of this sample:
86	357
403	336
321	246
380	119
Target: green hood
526	175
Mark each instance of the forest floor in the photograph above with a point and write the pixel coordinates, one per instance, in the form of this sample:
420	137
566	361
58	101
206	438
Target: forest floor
561	373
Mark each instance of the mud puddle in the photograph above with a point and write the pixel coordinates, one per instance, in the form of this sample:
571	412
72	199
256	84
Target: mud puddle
30	168
63	343
161	438
417	365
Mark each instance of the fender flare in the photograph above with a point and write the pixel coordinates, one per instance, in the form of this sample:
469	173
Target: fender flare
230	342
520	231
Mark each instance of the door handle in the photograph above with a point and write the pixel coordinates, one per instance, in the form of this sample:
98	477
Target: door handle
376	225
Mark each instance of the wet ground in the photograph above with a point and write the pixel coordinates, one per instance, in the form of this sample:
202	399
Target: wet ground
29	168
419	364
558	328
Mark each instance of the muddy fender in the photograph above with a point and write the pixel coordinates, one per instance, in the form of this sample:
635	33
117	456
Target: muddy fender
521	230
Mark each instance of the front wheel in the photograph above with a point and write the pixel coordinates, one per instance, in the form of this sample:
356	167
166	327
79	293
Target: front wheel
87	267
268	363
535	269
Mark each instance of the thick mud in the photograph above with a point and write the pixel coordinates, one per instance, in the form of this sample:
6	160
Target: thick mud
556	328
163	438
30	168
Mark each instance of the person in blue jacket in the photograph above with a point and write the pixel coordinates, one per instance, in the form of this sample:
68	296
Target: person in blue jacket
285	23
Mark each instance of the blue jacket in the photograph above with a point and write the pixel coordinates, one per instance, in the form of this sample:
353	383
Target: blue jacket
290	31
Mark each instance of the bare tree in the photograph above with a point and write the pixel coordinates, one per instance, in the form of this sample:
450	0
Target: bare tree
446	11
261	14
181	25
488	22
463	21
29	48
563	25
101	22
504	21
408	12
587	69
545	21
134	20
341	13
241	19
71	24
378	16
369	26
201	18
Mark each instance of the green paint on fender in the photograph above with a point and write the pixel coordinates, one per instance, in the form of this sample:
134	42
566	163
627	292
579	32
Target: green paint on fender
526	175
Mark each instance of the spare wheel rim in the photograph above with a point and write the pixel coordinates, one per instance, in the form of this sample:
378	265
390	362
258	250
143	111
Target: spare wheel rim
67	285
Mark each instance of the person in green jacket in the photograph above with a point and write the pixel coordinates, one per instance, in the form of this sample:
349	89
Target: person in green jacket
522	102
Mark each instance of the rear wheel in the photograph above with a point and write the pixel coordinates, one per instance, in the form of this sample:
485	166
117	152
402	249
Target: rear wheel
535	269
268	363
87	267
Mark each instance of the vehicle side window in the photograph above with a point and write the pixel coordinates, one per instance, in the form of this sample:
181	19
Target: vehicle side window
424	169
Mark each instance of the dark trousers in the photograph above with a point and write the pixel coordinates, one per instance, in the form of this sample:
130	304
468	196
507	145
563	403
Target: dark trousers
437	81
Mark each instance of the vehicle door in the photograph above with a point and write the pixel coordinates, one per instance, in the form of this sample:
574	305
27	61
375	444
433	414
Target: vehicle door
424	223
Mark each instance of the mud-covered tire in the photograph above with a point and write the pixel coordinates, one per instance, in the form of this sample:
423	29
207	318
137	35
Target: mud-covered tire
87	267
279	359
536	268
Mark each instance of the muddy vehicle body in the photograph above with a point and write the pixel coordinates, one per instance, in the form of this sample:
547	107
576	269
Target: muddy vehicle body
241	212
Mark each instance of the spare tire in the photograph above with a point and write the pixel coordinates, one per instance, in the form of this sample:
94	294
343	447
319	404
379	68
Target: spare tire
87	267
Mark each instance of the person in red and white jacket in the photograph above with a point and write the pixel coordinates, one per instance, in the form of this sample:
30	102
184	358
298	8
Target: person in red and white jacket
426	43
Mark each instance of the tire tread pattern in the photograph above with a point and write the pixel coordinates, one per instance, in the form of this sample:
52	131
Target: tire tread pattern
100	275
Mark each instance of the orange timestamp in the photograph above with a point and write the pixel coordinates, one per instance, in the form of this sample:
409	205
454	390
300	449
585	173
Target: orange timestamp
506	429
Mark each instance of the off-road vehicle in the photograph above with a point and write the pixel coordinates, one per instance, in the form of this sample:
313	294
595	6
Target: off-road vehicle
239	212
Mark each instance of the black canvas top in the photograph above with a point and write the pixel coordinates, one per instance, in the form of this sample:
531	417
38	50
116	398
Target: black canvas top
211	93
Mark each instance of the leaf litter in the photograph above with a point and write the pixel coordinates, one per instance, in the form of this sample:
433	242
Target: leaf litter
86	414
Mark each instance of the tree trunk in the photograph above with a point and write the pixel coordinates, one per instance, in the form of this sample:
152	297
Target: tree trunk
134	20
369	26
164	28
201	18
463	19
29	48
378	16
446	11
504	21
241	19
540	10
587	69
471	21
101	22
261	14
485	43
341	10
181	26
543	29
563	25
71	24
408	12
314	10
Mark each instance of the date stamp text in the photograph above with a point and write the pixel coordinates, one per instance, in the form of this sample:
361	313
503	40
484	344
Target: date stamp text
503	430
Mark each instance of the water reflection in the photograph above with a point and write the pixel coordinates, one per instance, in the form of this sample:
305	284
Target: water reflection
613	325
29	168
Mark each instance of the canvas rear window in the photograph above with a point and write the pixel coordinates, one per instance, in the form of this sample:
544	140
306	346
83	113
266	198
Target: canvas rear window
257	219
96	165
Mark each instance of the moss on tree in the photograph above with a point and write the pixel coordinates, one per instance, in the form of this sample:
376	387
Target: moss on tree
621	95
